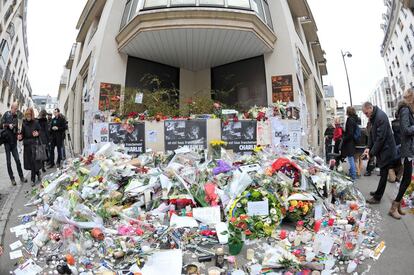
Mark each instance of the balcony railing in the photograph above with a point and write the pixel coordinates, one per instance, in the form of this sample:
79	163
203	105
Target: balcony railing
260	7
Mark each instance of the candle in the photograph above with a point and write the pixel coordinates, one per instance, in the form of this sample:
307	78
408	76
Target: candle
283	234
317	226
249	254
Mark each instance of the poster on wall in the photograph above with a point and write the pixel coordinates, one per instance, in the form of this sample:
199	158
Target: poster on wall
109	96
264	133
190	133
282	88
133	136
286	132
241	136
100	132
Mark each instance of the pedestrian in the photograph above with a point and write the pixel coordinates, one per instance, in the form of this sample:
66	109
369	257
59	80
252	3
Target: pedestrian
57	134
381	145
9	124
44	133
348	144
30	134
406	119
395	173
337	137
329	132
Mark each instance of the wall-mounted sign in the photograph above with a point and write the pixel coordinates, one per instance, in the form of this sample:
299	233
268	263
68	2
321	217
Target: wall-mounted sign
282	88
133	136
109	96
190	133
239	135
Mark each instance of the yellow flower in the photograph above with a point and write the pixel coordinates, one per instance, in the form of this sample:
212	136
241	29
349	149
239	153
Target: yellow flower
294	203
257	149
305	209
268	229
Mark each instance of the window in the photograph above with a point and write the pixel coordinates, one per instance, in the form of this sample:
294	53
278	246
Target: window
412	29
17	59
400	24
404	12
8	13
239	3
14	46
183	2
393	64
390	70
241	84
212	2
408	43
4	51
402	49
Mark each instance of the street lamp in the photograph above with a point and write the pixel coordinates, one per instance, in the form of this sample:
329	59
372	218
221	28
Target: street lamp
349	55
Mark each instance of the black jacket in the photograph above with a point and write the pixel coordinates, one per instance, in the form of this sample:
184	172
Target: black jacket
44	133
29	142
406	136
381	141
7	119
58	136
348	144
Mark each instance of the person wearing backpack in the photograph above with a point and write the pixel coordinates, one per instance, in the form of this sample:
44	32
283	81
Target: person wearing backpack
351	135
406	119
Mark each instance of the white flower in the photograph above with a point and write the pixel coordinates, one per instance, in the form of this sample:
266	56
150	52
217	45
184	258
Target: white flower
273	211
268	220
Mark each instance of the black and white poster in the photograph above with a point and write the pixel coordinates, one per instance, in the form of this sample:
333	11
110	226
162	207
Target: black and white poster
241	136
133	136
191	133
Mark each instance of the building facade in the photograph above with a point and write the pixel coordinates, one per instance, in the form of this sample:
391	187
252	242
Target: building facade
45	102
382	97
331	104
397	50
14	54
196	46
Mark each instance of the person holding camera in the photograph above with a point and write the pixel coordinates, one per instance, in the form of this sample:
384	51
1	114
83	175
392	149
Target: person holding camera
406	119
381	145
9	125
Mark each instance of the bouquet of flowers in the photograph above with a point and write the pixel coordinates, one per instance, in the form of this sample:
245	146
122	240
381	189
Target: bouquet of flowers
216	146
300	206
288	168
256	226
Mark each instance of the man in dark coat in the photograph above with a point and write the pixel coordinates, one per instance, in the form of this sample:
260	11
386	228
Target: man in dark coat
381	145
9	125
57	136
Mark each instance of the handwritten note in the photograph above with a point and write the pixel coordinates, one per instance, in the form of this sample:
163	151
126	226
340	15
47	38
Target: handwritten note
258	208
207	215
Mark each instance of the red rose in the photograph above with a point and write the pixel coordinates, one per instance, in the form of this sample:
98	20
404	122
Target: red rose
291	209
247	232
233	220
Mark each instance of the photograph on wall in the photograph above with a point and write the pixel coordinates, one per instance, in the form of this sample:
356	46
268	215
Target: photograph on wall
191	133
241	136
132	136
109	96
282	88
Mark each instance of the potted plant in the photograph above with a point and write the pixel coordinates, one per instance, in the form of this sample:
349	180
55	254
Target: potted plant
237	227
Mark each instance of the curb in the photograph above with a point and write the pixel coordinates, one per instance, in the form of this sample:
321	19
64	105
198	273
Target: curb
8	206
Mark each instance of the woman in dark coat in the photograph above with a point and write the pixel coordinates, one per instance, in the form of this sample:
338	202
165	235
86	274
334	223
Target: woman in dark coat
348	144
406	119
30	135
44	133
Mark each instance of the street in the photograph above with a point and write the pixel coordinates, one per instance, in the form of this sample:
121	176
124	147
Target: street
398	235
